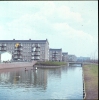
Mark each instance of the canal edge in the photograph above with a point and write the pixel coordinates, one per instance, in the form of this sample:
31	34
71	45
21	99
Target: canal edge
84	92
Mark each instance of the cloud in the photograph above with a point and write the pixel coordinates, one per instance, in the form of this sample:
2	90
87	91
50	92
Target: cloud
65	13
41	20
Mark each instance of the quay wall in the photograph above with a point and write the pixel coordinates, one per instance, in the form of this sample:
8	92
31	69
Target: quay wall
17	64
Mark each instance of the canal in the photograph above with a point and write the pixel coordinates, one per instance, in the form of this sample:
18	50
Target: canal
60	83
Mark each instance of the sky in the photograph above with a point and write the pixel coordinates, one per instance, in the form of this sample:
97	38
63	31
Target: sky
70	25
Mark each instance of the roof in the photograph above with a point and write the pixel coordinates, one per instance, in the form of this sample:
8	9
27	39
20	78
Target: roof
55	49
83	57
36	41
71	55
64	52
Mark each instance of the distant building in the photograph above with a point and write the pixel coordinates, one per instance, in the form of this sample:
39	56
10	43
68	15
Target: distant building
55	54
83	59
72	58
65	56
25	50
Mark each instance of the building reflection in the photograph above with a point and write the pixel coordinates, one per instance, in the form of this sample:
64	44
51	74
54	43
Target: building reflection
34	78
64	68
4	77
40	79
55	72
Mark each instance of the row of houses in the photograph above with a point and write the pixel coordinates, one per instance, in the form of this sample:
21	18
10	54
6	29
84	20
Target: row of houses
27	50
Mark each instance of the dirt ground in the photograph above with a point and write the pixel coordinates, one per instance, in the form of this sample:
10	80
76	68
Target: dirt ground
91	81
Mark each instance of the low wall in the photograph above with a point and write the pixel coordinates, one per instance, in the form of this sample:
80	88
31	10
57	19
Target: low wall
47	66
16	64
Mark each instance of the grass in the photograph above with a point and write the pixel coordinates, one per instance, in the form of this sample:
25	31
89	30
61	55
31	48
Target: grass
91	81
51	63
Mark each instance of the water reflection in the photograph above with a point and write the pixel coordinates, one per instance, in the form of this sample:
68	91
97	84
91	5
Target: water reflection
55	73
25	78
59	83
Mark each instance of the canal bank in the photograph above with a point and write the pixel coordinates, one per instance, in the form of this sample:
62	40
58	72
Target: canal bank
50	64
91	81
17	64
47	67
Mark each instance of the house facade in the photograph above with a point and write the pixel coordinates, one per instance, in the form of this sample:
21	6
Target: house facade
25	50
83	59
55	54
72	58
64	56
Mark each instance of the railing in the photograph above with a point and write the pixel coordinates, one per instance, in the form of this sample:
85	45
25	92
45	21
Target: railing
18	49
37	45
37	53
36	58
32	58
37	50
2	49
4	45
73	63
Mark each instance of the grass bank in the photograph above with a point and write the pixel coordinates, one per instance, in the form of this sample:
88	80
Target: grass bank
91	81
51	63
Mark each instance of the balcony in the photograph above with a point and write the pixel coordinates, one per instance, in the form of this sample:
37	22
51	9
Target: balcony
2	49
20	45
15	53
33	49
37	45
18	49
4	45
0	45
33	54
55	59
15	57
20	57
19	54
55	52
36	58
33	45
32	58
37	50
37	53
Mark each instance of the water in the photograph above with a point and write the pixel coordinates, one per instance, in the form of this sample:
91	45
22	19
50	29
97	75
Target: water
59	83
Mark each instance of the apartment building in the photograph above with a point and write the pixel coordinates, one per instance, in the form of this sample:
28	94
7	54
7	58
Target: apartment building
83	59
65	56
72	58
55	54
25	50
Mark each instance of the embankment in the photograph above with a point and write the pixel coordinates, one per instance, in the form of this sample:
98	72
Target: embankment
91	81
16	64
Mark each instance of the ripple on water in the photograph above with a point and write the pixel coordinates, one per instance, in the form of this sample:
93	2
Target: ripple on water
45	84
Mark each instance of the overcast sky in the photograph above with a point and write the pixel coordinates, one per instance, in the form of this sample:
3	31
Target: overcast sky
70	25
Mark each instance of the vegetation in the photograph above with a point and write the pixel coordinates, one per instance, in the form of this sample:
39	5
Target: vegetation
91	81
51	63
